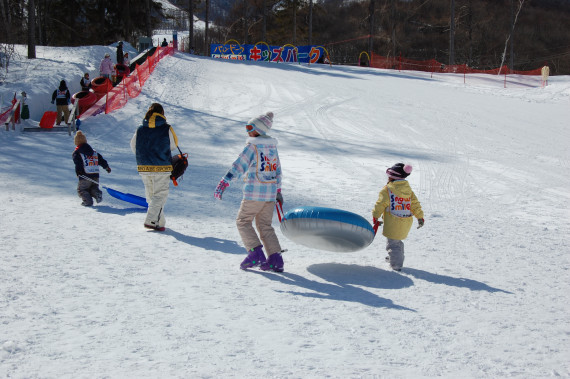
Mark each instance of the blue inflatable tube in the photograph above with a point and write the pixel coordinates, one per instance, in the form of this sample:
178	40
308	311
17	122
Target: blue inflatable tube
327	229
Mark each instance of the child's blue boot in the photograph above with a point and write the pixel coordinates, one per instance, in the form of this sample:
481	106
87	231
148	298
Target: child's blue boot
255	258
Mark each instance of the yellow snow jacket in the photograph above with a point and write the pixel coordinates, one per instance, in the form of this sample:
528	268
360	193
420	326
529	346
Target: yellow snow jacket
396	204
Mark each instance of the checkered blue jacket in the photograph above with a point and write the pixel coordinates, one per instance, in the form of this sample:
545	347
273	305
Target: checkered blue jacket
259	167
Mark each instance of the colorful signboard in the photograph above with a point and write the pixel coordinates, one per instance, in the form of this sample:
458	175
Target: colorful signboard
265	53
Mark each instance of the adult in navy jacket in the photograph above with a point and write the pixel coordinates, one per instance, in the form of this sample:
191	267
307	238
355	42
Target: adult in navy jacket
62	97
152	144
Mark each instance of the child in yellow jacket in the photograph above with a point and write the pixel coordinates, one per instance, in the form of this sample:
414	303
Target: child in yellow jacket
396	204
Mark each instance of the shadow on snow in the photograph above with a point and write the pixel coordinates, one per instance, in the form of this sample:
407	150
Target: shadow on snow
343	281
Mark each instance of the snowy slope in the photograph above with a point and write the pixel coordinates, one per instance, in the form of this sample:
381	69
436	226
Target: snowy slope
484	292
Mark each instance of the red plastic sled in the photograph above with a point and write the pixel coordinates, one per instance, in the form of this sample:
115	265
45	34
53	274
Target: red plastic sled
48	120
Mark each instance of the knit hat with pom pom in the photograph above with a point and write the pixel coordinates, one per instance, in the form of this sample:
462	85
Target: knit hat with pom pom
399	171
261	124
79	138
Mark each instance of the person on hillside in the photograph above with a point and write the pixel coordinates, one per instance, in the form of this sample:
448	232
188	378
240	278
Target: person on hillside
120	54
87	162
85	82
260	167
106	66
396	205
126	60
164	43
62	98
152	143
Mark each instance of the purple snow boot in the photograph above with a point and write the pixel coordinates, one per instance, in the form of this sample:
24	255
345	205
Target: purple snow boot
274	263
255	258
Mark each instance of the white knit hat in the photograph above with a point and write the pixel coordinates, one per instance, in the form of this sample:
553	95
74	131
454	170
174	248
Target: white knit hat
261	124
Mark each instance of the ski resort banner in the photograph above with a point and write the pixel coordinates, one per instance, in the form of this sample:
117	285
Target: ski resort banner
264	52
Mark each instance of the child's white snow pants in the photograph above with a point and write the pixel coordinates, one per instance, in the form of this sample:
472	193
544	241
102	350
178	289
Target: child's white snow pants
156	185
262	212
395	249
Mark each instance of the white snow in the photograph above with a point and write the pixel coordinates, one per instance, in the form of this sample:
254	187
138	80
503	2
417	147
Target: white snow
484	293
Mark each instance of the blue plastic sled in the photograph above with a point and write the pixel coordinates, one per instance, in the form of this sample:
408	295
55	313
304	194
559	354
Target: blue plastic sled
128	197
327	229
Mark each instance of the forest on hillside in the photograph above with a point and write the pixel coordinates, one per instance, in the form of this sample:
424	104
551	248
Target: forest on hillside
483	36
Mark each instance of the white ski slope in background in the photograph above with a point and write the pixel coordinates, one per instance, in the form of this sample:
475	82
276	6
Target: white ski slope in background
484	293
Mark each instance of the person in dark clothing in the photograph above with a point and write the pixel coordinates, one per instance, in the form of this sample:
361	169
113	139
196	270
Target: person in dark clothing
85	82
62	98
87	162
120	55
164	43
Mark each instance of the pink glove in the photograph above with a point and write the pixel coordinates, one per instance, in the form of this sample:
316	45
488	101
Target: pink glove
221	188
279	197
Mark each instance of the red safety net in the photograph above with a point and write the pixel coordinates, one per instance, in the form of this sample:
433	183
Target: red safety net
4	113
400	63
131	85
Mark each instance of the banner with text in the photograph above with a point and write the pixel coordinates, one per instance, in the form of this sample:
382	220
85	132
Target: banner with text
264	52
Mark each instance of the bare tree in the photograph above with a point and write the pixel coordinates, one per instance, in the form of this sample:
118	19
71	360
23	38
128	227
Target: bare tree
148	23
264	29
514	21
190	25
31	29
310	22
452	34
206	43
371	24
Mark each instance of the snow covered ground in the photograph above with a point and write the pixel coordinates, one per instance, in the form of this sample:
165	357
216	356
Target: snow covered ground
485	292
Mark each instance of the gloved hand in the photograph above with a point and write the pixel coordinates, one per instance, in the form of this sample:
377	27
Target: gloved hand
420	222
221	188
376	224
279	197
52	101
108	169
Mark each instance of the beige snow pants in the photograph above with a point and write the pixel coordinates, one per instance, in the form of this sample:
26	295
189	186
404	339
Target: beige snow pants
62	114
262	212
156	186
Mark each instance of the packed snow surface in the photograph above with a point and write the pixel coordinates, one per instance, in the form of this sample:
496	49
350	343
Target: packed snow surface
484	292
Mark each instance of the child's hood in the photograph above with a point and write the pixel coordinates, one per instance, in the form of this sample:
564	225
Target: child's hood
84	148
400	187
261	140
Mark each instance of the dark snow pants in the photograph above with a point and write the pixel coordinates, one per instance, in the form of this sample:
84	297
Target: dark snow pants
87	191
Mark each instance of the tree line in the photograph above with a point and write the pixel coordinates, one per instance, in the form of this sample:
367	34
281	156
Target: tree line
480	33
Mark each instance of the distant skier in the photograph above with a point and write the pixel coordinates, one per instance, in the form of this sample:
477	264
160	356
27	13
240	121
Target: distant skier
106	66
85	82
164	43
396	204
87	162
120	54
62	97
260	166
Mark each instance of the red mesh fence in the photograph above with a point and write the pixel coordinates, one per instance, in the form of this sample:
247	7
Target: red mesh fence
5	112
130	86
4	115
400	63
